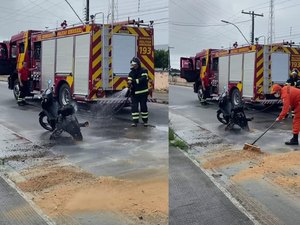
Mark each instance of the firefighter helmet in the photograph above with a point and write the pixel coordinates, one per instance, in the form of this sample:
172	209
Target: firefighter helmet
135	61
295	72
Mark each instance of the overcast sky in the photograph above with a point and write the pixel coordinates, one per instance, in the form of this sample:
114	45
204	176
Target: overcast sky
20	15
196	24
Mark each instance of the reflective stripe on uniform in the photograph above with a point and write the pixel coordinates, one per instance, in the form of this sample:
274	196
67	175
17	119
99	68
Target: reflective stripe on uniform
142	91
144	115
137	81
144	74
129	78
135	114
135	117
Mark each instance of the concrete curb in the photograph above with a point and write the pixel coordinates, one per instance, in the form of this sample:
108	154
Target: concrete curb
159	101
181	84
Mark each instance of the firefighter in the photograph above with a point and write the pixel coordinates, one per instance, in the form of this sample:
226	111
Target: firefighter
23	75
138	83
290	97
294	79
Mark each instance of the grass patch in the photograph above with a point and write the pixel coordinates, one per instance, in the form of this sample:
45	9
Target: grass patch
171	134
180	144
176	142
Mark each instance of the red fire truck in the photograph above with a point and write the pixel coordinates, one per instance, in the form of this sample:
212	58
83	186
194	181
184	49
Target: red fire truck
86	63
247	72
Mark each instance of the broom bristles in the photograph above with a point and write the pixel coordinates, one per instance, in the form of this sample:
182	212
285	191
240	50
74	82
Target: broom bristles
250	147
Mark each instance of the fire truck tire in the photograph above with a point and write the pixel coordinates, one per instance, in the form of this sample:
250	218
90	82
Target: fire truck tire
236	98
64	95
16	89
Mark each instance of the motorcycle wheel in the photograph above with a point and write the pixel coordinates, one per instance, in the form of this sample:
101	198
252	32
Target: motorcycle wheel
221	118
44	122
73	128
77	136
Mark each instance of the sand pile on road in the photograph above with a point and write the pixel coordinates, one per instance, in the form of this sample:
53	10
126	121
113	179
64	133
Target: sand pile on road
281	168
67	190
227	157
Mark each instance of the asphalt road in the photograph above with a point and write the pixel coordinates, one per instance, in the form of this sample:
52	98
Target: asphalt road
110	146
184	102
199	127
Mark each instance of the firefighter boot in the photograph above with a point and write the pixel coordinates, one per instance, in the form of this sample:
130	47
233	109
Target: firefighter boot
293	141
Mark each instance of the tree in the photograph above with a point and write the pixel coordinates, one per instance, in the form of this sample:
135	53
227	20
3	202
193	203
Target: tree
161	58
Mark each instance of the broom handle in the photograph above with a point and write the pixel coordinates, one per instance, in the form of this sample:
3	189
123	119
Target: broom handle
264	132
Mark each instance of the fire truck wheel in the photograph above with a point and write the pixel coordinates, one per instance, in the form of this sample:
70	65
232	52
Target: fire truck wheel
235	96
16	89
64	95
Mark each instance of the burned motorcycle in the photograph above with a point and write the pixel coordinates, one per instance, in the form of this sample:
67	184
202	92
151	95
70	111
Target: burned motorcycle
231	115
59	119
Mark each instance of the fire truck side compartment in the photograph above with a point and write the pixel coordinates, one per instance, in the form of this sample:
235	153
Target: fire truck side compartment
248	77
81	65
48	62
124	48
280	67
223	72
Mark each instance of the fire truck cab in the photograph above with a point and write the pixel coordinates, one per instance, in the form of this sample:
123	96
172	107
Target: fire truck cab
87	62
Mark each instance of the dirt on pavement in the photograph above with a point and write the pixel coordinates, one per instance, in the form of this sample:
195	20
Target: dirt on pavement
227	157
281	169
67	190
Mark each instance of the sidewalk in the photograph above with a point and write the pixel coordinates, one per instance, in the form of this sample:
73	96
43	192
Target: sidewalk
15	210
160	97
194	199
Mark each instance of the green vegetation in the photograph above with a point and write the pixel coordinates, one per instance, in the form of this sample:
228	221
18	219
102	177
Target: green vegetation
180	144
161	58
176	142
171	134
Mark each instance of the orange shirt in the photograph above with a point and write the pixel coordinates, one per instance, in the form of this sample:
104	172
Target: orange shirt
291	98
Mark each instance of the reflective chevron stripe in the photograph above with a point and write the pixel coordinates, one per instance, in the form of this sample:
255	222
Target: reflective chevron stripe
142	91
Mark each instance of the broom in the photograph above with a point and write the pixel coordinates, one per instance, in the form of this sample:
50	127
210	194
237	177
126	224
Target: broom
252	147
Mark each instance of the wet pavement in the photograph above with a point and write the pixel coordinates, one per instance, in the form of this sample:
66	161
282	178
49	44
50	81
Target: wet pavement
194	198
198	126
110	147
15	210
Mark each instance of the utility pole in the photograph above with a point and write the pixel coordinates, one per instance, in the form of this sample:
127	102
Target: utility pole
271	23
87	16
113	12
252	14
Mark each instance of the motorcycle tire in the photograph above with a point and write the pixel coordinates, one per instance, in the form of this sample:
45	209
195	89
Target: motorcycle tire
221	118
77	136
73	128
45	125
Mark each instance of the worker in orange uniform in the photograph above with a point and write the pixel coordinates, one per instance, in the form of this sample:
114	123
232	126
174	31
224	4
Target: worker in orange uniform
290	97
23	75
